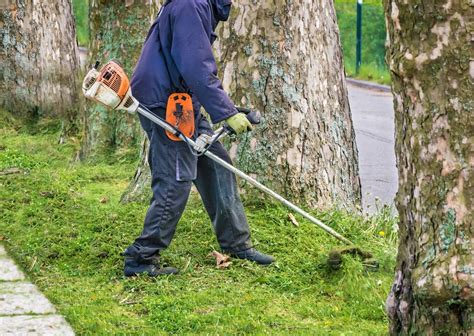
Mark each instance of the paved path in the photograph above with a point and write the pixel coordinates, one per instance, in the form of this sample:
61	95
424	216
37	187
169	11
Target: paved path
23	309
372	113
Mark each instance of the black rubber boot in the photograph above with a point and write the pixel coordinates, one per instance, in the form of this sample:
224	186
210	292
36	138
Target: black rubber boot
134	268
253	255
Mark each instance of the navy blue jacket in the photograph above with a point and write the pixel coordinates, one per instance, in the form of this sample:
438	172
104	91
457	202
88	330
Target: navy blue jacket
177	57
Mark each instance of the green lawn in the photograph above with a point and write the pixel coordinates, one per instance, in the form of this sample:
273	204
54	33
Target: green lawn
81	13
373	39
63	222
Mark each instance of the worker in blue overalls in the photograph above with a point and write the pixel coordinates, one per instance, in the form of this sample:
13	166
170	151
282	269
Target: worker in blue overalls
177	57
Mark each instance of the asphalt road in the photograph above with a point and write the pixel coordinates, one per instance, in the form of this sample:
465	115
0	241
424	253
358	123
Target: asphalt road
372	113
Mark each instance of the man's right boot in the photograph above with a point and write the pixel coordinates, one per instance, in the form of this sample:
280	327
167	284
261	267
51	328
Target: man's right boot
134	268
253	255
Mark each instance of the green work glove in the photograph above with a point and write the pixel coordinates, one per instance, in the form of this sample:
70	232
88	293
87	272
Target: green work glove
239	123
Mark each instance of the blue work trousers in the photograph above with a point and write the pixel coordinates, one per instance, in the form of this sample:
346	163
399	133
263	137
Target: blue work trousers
174	168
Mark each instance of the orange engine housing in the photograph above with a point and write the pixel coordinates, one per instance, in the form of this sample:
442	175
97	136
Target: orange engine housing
180	114
113	76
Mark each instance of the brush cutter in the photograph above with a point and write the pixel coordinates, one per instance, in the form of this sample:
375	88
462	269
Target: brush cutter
110	86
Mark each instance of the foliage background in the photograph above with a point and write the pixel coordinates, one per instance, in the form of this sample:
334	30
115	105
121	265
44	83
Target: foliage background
373	39
81	13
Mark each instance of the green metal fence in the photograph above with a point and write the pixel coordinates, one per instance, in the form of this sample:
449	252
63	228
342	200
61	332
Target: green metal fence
372	65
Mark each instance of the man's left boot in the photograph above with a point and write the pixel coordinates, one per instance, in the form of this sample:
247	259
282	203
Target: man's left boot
134	268
253	255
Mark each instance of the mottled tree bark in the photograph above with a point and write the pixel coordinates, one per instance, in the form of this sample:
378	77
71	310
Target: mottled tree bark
118	29
284	59
138	190
38	58
431	59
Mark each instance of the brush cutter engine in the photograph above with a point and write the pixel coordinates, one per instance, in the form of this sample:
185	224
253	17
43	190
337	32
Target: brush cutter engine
110	86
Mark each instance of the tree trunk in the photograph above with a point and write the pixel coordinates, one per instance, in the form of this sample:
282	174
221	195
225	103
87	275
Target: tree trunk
117	29
284	59
431	62
39	60
138	189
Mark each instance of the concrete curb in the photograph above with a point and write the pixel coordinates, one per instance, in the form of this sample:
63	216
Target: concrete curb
368	85
24	310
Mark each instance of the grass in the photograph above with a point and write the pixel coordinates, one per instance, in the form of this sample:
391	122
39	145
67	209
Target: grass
369	72
81	14
63	222
373	39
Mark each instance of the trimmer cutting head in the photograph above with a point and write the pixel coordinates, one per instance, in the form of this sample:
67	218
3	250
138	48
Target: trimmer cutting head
335	258
110	86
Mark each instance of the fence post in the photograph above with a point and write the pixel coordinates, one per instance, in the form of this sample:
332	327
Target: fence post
359	36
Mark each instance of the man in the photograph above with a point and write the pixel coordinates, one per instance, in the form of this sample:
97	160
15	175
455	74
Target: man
177	58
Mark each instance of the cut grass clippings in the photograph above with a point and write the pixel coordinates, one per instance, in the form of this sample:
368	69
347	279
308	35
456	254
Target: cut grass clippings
69	240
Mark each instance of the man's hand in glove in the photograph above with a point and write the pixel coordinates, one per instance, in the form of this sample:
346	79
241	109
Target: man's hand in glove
239	123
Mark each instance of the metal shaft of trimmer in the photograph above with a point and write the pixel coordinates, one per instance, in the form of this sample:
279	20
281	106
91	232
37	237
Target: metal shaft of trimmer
149	115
